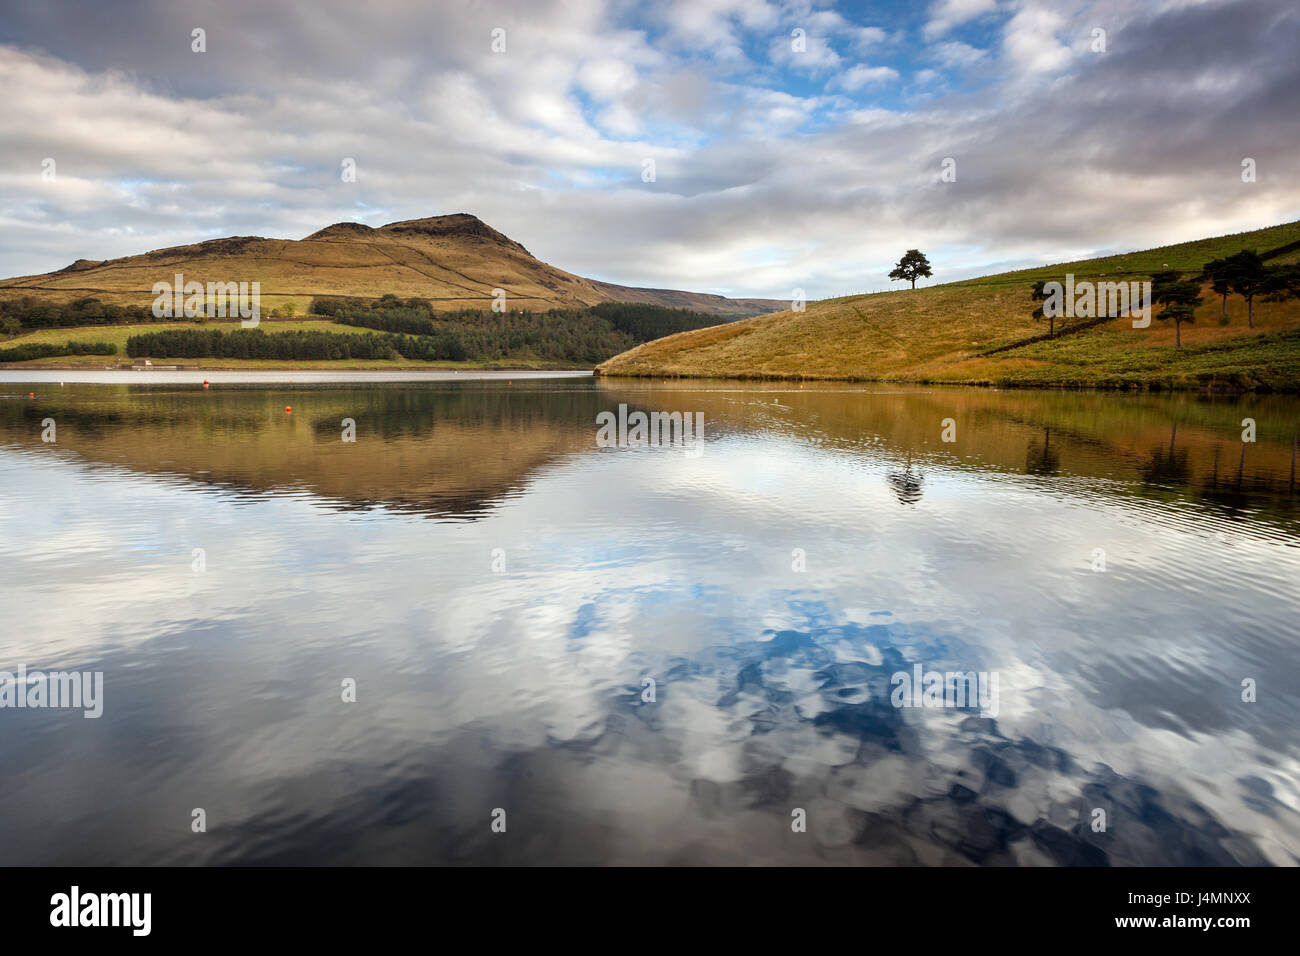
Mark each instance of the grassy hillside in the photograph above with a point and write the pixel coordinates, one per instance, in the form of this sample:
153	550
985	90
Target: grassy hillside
696	301
1183	256
454	262
938	334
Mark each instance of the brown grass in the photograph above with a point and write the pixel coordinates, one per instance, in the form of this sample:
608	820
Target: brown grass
936	334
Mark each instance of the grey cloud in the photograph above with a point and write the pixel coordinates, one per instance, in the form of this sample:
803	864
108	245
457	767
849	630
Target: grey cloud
756	192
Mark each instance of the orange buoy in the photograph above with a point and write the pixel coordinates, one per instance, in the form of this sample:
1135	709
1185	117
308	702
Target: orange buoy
288	409
31	394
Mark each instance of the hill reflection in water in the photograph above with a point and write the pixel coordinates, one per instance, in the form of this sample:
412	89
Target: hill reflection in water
501	590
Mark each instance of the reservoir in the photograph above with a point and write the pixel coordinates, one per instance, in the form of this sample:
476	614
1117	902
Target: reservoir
472	635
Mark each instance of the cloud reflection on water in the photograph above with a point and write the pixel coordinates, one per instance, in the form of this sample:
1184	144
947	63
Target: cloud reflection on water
522	690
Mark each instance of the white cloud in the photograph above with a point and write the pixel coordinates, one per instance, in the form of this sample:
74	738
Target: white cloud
946	14
1030	44
759	188
861	76
863	38
606	79
955	54
717	26
808	53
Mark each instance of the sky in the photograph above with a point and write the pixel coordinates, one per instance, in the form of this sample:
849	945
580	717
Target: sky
795	145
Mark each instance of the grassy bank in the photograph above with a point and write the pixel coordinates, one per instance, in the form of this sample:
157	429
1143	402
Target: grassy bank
938	334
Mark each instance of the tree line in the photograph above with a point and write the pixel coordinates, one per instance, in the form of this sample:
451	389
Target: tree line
40	350
298	345
1244	273
29	312
584	335
303	345
1247	275
410	328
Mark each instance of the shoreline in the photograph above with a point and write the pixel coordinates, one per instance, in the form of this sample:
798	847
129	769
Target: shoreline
272	376
1125	386
164	374
23	366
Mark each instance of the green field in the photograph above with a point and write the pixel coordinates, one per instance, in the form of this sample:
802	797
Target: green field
118	334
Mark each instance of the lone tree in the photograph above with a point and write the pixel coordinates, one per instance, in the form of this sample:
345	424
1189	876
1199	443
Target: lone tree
1180	297
1038	295
914	265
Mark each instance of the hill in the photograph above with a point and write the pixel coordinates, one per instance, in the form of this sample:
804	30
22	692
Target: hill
982	331
453	261
695	301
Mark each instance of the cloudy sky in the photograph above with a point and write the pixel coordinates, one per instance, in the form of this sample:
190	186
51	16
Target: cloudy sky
795	144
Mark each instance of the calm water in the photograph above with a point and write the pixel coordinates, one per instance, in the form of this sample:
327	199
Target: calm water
501	591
